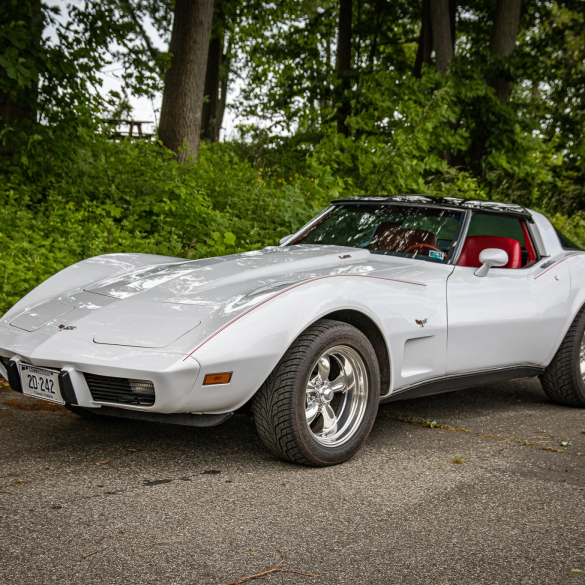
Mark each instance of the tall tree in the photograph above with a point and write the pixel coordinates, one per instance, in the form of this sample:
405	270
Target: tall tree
209	122
180	117
425	42
343	64
20	57
225	16
503	42
442	35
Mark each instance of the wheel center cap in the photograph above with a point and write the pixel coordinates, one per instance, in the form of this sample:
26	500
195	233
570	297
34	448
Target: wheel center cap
325	394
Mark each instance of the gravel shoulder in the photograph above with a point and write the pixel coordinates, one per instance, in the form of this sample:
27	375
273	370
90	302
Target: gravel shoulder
125	501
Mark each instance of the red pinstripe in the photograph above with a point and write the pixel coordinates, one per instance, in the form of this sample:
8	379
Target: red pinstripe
291	288
559	262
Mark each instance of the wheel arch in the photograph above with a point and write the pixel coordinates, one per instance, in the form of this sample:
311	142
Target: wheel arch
369	328
576	300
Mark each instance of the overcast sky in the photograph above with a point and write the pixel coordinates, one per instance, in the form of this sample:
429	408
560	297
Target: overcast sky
144	109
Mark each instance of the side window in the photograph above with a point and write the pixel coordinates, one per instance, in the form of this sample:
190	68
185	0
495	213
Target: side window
496	231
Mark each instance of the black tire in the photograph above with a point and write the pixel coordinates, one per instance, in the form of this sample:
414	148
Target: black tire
87	413
562	380
279	406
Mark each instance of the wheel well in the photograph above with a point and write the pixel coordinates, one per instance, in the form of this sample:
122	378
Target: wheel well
373	333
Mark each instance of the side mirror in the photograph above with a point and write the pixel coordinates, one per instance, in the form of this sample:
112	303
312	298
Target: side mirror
283	240
491	257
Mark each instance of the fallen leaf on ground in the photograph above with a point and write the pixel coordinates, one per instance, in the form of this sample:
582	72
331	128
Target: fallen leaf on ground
102	462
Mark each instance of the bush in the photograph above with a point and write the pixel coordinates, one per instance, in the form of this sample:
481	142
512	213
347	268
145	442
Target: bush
133	197
61	205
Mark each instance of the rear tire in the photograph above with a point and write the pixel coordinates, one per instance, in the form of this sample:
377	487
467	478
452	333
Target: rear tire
319	404
564	379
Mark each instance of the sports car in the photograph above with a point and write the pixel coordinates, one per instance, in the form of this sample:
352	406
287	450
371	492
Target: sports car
376	299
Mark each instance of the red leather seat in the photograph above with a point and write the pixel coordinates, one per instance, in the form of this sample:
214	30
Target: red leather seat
474	245
400	239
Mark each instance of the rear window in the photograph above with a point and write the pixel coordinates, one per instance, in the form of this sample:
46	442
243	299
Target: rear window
565	242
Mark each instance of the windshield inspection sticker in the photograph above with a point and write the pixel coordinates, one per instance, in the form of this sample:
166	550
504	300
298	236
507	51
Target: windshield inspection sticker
436	254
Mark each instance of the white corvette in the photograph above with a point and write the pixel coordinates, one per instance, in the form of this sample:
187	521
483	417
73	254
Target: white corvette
376	299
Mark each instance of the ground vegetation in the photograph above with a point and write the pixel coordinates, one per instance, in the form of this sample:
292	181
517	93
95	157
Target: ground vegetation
477	99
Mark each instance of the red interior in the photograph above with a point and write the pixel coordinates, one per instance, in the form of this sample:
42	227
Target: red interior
474	245
400	239
528	244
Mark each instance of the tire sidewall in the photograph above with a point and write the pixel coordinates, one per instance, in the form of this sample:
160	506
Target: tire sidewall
352	337
576	358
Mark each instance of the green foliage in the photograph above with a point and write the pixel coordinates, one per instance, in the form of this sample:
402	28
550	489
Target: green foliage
134	197
69	192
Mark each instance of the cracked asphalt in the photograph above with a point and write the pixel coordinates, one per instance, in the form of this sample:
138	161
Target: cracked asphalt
136	503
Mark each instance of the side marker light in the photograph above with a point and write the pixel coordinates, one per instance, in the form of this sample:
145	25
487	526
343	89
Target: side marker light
211	379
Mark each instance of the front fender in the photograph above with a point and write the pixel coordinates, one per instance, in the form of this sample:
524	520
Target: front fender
253	343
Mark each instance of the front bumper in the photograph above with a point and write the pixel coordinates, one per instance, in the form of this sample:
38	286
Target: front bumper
173	377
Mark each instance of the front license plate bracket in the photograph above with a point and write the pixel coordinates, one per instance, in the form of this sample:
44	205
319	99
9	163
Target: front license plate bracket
40	382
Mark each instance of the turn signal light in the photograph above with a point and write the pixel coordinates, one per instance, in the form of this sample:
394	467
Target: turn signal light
211	379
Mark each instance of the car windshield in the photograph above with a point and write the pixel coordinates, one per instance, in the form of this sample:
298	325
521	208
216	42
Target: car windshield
409	231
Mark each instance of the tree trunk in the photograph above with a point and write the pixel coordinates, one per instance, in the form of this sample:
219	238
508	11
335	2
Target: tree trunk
425	42
377	31
20	105
180	116
344	64
453	21
209	116
442	38
503	41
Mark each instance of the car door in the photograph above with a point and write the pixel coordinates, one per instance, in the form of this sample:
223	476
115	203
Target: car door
512	316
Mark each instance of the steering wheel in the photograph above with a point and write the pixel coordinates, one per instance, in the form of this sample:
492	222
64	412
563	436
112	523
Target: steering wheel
428	246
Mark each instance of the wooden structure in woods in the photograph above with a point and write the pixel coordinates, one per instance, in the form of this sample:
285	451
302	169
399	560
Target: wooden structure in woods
125	128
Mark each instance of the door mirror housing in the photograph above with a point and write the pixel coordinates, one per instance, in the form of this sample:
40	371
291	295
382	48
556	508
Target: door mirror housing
491	257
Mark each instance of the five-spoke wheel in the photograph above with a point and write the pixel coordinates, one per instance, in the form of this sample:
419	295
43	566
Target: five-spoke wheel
336	395
319	404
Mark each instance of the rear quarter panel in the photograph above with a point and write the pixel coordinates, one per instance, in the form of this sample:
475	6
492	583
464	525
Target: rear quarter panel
576	266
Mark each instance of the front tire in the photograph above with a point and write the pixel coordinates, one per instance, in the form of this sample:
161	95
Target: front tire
319	404
564	379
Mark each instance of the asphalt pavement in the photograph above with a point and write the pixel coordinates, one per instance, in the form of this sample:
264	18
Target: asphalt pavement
479	486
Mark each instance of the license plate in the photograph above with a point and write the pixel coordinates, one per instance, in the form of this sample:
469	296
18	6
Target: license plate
40	383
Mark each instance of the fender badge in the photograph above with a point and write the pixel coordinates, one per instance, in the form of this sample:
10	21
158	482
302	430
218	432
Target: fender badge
68	328
421	323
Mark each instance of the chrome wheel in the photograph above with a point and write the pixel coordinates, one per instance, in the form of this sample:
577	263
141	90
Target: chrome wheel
582	357
336	395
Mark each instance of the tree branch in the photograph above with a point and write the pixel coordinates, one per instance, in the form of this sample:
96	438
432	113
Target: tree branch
132	13
276	569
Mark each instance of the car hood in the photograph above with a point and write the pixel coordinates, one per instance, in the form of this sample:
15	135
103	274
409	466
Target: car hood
167	307
189	281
